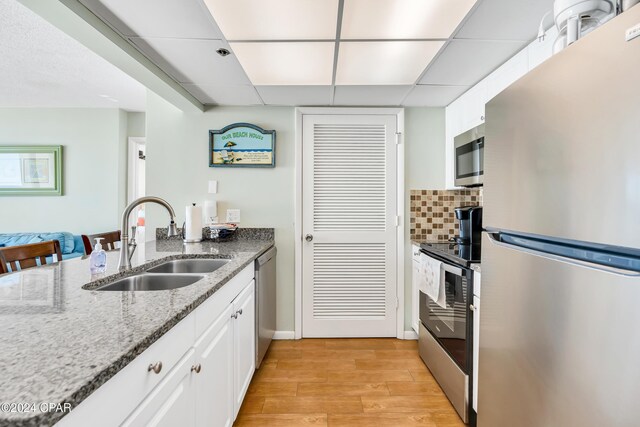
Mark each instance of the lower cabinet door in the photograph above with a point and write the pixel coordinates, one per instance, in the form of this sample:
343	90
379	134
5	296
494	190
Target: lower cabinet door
214	381
172	402
245	343
415	296
476	349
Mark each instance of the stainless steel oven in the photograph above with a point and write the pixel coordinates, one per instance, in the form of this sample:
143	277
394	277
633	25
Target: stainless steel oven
446	334
469	157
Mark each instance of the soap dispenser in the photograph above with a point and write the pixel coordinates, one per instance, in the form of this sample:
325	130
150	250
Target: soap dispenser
98	259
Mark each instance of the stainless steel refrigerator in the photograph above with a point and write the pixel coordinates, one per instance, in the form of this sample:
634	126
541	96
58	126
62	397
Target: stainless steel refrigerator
560	318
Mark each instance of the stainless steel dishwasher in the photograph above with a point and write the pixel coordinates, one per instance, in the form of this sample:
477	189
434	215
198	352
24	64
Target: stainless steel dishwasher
265	302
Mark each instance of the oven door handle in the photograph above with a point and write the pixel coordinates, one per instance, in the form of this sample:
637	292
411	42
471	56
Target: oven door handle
451	269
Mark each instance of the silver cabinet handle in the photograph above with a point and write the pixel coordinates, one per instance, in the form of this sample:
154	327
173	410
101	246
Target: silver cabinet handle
155	367
196	368
308	237
239	311
472	307
234	315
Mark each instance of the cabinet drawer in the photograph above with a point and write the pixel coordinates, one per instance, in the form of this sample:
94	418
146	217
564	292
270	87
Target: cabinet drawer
213	307
128	388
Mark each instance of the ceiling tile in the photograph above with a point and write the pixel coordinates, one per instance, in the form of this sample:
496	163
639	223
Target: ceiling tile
224	95
402	19
505	20
380	63
370	95
284	63
295	95
464	63
193	61
275	19
433	96
153	18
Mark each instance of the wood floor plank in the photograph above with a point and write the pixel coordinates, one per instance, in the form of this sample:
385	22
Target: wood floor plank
283	375
367	376
406	344
252	405
381	420
273	388
361	343
343	389
413	388
281	420
312	364
283	353
315	404
405	404
422	374
390	364
300	344
338	354
395	354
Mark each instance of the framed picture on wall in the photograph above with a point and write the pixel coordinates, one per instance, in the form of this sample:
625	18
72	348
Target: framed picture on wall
30	170
242	145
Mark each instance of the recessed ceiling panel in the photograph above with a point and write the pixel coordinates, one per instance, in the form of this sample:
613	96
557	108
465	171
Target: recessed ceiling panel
505	20
295	95
433	96
402	19
275	19
464	63
193	61
283	63
157	18
224	95
370	95
384	63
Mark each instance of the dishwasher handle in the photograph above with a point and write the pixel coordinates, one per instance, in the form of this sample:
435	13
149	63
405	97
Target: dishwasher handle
266	257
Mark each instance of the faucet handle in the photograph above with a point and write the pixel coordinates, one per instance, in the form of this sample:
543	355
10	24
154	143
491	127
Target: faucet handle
133	231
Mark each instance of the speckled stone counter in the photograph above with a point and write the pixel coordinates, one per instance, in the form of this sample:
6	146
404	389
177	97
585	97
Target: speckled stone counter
60	342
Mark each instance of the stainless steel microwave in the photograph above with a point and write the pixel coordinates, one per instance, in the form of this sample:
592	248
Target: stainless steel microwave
469	157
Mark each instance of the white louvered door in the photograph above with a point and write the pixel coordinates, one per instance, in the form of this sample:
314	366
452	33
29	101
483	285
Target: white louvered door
349	212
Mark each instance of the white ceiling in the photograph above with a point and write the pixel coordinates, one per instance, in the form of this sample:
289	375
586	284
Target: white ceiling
41	66
326	52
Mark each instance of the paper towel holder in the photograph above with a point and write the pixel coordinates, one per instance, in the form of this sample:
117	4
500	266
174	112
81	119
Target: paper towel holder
184	234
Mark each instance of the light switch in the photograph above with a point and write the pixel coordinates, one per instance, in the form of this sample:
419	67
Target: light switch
213	187
233	216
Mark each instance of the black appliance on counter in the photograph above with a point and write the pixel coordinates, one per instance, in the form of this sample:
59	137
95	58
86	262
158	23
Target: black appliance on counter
470	220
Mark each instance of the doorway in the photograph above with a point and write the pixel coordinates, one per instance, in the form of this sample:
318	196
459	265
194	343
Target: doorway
351	195
136	187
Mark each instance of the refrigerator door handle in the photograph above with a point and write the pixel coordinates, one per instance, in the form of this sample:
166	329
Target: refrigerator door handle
495	238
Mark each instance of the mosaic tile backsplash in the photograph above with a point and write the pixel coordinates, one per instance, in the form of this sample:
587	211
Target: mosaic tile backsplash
432	212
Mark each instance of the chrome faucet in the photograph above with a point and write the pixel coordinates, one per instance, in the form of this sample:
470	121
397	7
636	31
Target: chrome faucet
125	258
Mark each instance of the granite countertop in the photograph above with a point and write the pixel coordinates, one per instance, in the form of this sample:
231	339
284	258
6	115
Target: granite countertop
61	342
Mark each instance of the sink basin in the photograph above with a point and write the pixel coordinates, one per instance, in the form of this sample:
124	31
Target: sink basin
151	282
189	266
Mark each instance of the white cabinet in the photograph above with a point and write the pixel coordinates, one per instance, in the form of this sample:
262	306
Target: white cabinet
214	386
476	336
196	374
415	294
244	343
508	73
172	402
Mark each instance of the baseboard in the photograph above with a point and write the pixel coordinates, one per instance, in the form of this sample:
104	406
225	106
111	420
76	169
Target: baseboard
284	335
410	335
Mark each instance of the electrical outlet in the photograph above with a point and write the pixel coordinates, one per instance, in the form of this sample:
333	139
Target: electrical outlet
633	32
233	216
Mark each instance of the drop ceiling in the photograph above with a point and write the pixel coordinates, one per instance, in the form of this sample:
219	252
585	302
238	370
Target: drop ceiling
326	52
43	67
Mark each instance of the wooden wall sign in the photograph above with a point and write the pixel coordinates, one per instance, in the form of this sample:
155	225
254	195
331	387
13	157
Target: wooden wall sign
242	145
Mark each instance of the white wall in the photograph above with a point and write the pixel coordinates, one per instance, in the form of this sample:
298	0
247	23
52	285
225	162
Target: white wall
93	192
178	170
424	169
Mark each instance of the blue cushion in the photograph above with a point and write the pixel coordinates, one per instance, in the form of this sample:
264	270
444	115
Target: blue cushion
67	244
19	239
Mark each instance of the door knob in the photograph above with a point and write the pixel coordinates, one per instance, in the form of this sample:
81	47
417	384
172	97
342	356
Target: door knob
196	368
308	237
155	367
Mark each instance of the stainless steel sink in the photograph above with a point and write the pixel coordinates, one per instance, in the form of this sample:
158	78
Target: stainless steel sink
189	266
151	282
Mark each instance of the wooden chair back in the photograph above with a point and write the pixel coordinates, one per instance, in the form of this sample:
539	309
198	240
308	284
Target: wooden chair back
109	240
27	256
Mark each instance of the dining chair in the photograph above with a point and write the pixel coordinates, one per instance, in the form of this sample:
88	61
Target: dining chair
109	240
31	255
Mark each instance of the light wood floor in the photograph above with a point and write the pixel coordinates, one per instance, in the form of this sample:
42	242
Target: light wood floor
345	382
